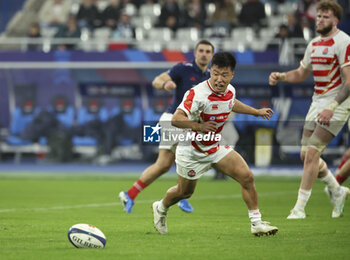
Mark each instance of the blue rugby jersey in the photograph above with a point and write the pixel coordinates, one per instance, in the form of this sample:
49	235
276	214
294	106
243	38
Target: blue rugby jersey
186	75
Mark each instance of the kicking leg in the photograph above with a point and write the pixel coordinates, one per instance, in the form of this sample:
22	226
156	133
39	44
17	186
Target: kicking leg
183	190
234	166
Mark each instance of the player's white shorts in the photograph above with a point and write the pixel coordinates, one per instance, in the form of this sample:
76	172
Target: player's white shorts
165	123
191	164
340	116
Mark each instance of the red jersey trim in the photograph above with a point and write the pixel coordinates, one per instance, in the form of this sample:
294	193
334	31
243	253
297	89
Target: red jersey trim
321	91
324	84
322	42
347	54
189	100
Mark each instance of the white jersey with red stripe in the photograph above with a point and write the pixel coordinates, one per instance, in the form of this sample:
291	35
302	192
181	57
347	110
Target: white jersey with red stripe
325	56
201	104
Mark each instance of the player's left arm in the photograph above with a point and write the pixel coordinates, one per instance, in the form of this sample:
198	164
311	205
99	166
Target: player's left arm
242	108
325	116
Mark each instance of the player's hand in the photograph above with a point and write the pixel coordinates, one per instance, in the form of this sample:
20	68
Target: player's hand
325	117
265	113
169	85
274	78
209	126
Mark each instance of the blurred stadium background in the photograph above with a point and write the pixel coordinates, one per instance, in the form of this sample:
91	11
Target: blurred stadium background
90	63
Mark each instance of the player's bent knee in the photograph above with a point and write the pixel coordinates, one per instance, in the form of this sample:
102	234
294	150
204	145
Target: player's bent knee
185	194
247	179
316	143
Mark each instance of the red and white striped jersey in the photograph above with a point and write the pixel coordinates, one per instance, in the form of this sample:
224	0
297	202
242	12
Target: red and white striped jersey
202	104
325	57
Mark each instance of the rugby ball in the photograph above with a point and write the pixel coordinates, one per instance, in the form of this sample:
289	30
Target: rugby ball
86	236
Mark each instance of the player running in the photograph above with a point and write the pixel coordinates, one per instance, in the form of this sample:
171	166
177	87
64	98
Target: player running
328	58
180	78
204	110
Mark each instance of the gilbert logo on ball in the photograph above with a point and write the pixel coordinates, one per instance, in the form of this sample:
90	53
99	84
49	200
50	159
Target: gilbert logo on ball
86	236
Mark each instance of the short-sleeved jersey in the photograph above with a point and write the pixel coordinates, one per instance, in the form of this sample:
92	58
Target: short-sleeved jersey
325	57
202	104
185	75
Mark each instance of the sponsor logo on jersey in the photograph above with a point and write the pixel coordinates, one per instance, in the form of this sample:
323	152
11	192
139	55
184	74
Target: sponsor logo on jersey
193	78
325	51
215	107
212	118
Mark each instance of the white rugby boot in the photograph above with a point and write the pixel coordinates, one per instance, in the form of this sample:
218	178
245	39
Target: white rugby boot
338	201
261	228
328	192
296	214
159	219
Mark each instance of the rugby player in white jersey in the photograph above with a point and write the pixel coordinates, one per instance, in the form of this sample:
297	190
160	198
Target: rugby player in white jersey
203	111
328	58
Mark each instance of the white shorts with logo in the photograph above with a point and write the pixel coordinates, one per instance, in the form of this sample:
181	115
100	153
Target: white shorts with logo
340	116
191	164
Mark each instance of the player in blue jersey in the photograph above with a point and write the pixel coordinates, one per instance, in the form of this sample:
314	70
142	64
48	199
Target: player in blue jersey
179	78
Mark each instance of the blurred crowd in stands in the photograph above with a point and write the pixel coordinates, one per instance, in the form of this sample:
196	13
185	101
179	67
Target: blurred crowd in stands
122	17
255	24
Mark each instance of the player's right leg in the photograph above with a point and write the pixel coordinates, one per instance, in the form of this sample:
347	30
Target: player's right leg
165	160
234	166
184	189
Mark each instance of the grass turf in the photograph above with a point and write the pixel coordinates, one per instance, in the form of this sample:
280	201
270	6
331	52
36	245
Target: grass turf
36	212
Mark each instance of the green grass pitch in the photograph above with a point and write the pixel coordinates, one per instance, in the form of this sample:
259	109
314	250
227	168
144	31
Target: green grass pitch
36	212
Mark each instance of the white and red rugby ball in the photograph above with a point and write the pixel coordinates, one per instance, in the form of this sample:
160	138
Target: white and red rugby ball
86	236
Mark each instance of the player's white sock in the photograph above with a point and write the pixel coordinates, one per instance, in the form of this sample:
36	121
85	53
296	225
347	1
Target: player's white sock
161	208
330	181
254	215
303	197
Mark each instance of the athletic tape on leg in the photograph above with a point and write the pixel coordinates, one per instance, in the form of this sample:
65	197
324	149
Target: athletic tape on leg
317	143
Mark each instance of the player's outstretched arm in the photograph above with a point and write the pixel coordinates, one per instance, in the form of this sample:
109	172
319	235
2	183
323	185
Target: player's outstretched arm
163	81
181	120
242	108
325	116
293	76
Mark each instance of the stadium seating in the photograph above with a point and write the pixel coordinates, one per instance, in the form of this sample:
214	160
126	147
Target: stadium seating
86	115
19	122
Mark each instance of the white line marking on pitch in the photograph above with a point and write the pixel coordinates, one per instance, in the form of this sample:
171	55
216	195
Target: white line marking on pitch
97	205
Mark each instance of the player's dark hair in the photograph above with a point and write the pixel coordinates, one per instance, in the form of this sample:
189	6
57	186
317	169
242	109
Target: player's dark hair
206	42
331	5
224	59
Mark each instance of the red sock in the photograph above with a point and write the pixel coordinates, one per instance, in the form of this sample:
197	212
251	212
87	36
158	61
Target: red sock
136	188
340	179
343	161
